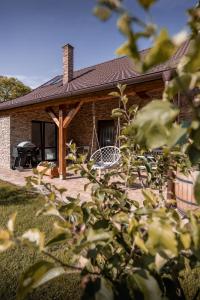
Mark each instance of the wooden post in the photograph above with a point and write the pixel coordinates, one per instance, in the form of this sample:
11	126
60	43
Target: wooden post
63	122
62	144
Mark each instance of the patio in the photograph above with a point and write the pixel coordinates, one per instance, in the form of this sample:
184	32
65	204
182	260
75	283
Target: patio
73	183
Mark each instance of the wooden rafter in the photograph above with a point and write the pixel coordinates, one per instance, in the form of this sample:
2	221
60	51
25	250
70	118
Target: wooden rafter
52	114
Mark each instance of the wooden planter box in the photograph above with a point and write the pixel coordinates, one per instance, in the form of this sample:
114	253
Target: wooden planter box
52	172
184	195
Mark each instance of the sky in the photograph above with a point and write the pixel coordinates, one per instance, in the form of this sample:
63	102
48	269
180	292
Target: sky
32	33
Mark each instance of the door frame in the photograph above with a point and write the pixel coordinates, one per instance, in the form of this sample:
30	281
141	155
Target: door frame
42	133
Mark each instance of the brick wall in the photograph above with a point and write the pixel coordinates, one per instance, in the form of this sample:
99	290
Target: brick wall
5	142
80	129
21	125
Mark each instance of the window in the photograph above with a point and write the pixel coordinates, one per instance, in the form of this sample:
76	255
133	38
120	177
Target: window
44	136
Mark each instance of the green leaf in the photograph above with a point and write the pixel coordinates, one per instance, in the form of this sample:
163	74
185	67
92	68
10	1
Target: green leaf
161	238
103	13
98	235
37	275
146	3
197	189
11	222
129	48
114	94
160	261
5	240
186	240
117	112
162	50
124	24
150	197
34	236
176	133
60	238
140	243
154	125
195	230
147	285
101	224
192	60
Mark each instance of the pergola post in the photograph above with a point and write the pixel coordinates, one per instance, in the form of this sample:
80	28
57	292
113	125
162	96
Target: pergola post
62	123
62	143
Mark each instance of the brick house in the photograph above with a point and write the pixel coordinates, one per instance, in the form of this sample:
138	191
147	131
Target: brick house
61	109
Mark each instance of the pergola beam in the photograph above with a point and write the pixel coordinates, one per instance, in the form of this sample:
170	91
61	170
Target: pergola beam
52	114
71	115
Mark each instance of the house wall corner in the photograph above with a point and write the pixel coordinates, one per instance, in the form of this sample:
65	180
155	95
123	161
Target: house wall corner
5	150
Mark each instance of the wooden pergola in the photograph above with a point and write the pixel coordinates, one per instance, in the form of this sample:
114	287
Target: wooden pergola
64	118
63	110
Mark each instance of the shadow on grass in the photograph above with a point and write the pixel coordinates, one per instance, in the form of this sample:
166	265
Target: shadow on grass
13	195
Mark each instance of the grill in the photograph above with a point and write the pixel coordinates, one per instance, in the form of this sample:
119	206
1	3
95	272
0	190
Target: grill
25	155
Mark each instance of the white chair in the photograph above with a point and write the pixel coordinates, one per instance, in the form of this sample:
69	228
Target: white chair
106	158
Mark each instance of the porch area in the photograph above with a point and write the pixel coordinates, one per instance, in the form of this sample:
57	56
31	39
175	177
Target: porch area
52	125
74	184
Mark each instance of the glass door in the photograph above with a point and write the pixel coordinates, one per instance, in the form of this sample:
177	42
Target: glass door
50	141
44	136
106	133
37	138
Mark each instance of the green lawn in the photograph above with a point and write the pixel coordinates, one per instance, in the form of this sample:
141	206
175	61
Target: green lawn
18	259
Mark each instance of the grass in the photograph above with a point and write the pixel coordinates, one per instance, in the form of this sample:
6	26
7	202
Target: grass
18	259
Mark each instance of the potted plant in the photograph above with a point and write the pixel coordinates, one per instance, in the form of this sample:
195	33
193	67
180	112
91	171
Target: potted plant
48	168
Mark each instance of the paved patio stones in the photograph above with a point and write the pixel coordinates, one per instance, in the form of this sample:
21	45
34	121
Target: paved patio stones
73	184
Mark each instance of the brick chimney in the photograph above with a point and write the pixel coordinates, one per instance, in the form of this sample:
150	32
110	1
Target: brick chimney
68	63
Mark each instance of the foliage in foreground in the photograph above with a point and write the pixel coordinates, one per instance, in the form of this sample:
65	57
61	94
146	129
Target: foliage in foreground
122	249
17	259
153	129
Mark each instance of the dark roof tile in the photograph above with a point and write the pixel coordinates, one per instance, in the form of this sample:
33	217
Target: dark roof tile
95	77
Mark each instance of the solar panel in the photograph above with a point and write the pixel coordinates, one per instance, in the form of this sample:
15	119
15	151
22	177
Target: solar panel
55	80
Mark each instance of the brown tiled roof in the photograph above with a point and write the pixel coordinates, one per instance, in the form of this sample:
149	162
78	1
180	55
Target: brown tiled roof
94	78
